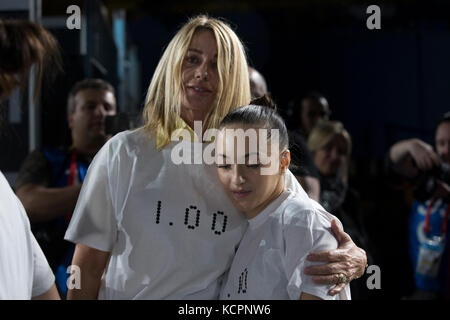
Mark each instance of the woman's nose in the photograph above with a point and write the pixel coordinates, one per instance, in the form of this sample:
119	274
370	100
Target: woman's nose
201	72
238	177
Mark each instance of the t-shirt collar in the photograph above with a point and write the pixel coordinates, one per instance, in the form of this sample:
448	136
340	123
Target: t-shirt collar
163	138
257	221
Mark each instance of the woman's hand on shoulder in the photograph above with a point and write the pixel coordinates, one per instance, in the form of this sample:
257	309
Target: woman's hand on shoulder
344	264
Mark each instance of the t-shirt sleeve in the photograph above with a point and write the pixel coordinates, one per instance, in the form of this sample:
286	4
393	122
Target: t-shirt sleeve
94	222
311	233
35	169
43	277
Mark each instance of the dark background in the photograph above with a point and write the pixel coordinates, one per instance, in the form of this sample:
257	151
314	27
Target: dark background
384	85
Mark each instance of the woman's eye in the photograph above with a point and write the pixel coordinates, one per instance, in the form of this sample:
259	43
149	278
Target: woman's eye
224	166
192	59
254	166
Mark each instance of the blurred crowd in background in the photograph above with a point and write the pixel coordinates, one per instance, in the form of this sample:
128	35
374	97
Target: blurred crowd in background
366	109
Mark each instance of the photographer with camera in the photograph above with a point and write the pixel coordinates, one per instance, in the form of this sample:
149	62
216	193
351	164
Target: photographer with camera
429	174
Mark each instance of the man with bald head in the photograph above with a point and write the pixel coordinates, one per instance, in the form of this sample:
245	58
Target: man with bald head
258	85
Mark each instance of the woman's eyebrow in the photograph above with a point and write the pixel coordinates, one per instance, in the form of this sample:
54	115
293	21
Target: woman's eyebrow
195	50
199	51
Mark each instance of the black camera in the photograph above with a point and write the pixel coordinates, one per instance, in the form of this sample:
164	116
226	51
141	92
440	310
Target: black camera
426	182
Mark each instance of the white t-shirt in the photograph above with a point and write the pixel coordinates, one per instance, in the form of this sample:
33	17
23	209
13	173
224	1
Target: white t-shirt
24	270
171	229
272	254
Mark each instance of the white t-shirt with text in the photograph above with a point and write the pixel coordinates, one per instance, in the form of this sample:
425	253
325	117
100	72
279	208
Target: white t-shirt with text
272	254
171	229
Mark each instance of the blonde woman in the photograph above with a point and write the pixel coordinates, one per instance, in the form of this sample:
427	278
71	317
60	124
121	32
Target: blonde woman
331	145
155	227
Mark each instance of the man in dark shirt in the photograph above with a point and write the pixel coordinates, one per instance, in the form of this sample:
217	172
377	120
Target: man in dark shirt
50	179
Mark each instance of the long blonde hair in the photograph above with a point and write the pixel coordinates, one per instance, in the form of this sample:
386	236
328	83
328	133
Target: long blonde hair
164	93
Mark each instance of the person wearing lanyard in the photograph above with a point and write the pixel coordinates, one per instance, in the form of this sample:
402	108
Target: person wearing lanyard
50	179
428	221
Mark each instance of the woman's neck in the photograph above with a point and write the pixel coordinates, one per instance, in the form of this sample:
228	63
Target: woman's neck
274	195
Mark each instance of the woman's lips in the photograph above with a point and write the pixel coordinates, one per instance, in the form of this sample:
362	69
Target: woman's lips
199	90
240	194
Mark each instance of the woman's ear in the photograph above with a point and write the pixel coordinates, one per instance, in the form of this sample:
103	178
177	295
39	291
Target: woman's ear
285	160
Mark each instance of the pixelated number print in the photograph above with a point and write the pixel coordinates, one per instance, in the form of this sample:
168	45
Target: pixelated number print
192	218
243	282
197	217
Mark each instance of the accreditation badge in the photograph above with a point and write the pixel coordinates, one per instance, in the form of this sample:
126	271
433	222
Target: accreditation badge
429	258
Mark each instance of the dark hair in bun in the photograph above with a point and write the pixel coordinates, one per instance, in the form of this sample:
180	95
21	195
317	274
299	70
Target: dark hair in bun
260	112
